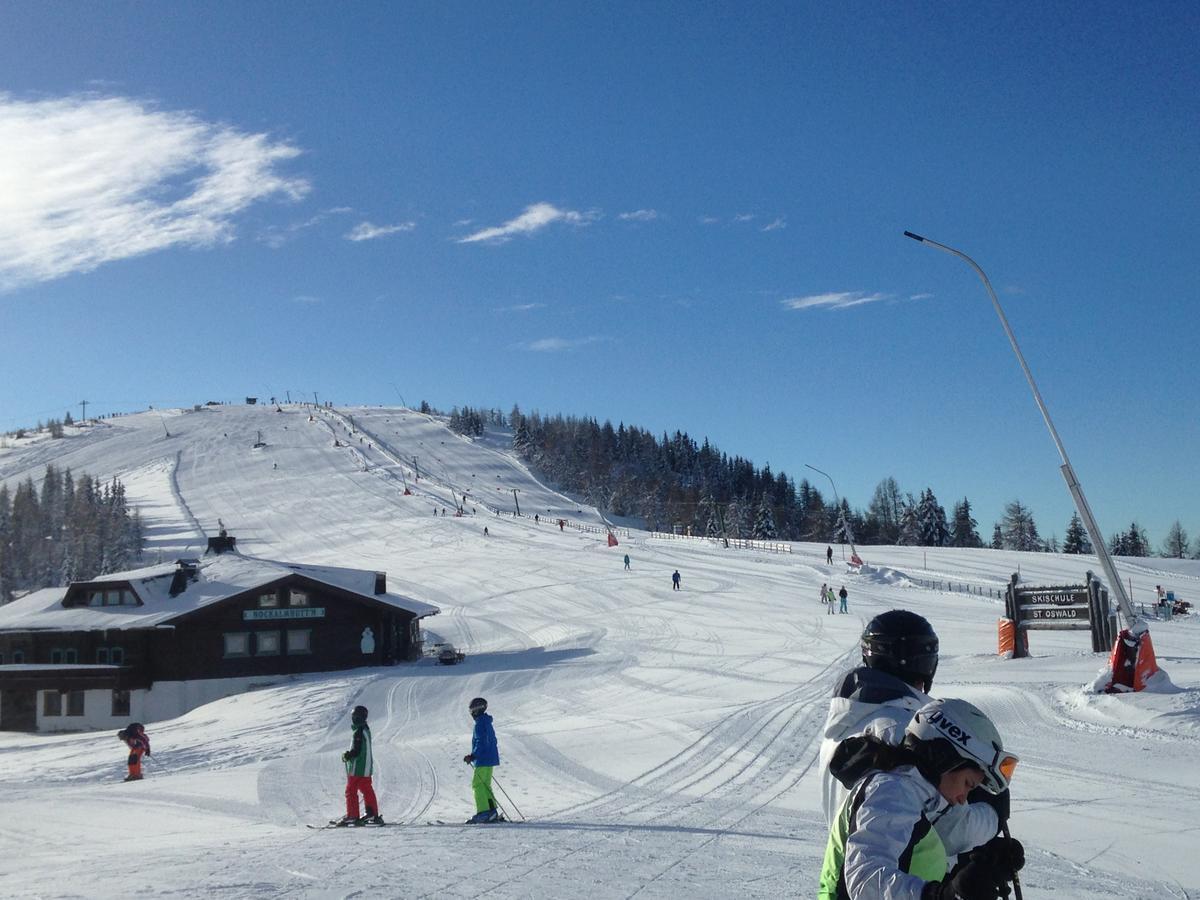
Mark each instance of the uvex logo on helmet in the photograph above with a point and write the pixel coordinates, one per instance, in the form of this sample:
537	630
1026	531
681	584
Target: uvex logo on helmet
948	728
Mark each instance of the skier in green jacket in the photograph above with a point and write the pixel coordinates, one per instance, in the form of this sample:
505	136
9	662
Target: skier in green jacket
360	765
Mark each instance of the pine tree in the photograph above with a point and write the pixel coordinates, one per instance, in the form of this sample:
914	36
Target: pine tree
764	520
997	537
1076	541
931	521
963	530
885	510
910	524
1176	544
1019	530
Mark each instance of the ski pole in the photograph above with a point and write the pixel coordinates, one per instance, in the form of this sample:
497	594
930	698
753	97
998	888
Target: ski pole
1016	881
514	806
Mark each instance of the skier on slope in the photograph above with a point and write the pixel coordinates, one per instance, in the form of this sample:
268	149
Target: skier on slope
360	765
135	738
484	755
900	658
884	844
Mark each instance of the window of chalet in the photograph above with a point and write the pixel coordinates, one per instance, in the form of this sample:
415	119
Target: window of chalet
237	643
74	703
268	598
102	656
297	598
266	643
120	703
51	703
18	657
1	657
299	640
112	597
71	656
116	656
56	656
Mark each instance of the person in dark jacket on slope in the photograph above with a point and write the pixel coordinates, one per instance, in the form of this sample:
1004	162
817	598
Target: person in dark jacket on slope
484	755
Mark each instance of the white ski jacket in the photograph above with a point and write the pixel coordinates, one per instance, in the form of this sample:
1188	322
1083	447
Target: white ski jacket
892	817
869	701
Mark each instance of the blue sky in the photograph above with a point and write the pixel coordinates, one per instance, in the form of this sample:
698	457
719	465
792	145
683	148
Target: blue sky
677	215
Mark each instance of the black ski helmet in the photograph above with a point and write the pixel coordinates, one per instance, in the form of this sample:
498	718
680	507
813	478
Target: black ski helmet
359	715
478	705
903	644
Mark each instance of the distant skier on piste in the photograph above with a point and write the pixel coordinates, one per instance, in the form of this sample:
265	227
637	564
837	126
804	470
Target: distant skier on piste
675	580
883	843
135	738
360	766
900	658
484	755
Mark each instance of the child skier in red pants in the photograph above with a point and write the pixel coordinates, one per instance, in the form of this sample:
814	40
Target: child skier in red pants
134	736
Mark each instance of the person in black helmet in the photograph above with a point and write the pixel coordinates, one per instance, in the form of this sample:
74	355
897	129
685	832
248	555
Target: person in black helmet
484	755
879	698
360	766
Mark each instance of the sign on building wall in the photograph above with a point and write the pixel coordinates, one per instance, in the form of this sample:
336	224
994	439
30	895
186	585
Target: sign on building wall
294	612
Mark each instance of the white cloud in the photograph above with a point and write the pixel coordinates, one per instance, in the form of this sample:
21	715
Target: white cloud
533	219
365	231
779	222
520	307
557	344
744	217
306	300
921	297
709	220
639	215
86	180
834	300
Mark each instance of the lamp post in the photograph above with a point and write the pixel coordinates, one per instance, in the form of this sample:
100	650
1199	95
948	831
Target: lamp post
1068	472
841	515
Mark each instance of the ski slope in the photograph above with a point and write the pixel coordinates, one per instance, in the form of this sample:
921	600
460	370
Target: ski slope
662	744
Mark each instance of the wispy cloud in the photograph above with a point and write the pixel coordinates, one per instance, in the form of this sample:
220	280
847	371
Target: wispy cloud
921	297
834	300
776	224
276	236
533	219
709	220
520	307
557	344
366	231
306	300
744	217
639	215
86	180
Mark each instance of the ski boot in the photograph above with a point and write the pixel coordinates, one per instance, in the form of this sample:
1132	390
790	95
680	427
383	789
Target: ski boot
346	822
372	819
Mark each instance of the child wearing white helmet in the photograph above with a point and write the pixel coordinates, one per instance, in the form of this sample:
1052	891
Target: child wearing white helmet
884	844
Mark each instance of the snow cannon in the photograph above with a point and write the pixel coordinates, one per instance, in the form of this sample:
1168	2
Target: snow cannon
1132	663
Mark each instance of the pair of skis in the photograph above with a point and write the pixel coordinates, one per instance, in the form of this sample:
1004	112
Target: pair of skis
431	822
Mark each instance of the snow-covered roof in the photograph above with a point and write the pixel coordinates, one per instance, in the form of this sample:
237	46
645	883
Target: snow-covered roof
217	578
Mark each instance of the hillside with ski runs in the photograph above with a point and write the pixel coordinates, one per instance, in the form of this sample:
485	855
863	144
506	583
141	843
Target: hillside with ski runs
661	744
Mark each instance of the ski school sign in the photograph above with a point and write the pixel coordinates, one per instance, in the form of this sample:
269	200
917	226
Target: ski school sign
1073	607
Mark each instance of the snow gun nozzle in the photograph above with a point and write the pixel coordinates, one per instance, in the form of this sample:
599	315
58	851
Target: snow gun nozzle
915	237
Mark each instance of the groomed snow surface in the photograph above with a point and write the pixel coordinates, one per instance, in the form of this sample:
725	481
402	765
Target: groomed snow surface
661	743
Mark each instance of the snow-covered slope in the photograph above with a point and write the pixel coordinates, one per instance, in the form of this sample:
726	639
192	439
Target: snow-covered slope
662	743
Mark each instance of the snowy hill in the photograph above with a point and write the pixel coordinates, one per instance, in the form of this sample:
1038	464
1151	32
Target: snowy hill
663	744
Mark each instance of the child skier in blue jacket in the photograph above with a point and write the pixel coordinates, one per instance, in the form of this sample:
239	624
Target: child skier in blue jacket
484	755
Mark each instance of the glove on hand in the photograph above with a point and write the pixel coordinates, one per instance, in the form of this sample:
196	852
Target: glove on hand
469	758
976	880
346	756
998	802
1006	854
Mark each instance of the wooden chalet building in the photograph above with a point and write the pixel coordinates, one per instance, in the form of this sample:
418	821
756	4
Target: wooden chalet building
152	643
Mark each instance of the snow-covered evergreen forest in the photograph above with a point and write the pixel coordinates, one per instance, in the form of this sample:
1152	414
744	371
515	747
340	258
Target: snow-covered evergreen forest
672	482
72	528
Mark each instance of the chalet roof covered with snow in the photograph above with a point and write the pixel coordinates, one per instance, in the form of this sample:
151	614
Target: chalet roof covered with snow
217	578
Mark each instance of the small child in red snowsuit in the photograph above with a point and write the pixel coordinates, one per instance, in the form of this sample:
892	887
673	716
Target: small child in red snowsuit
134	736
